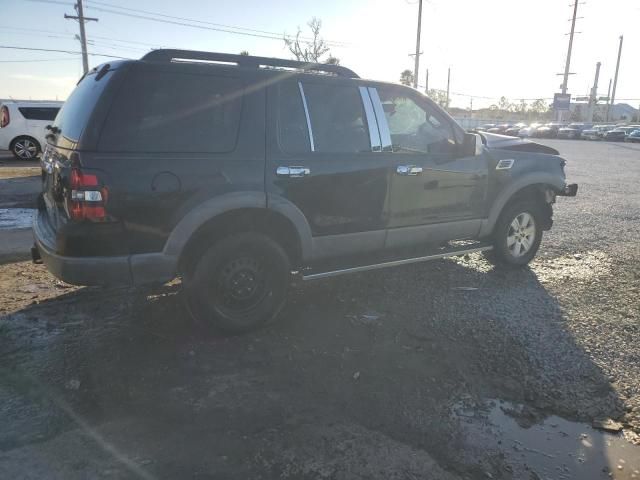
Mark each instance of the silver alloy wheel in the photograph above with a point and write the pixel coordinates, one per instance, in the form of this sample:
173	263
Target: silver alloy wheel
521	235
25	148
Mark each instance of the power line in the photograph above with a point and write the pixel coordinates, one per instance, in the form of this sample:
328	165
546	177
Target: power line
42	34
66	4
10	47
68	36
35	60
193	20
201	27
171	19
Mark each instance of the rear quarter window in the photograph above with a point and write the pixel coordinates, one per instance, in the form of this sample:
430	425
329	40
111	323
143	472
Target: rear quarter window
76	111
158	111
39	113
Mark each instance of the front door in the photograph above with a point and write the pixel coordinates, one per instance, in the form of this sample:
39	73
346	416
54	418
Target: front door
432	182
323	156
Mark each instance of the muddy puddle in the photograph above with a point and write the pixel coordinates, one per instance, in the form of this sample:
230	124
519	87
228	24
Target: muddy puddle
544	448
12	218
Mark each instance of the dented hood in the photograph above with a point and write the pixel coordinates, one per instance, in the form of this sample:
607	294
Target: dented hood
504	142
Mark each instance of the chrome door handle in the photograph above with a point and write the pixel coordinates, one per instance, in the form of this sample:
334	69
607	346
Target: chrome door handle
408	170
293	172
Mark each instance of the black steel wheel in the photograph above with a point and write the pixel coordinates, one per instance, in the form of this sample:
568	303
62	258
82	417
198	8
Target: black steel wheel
239	284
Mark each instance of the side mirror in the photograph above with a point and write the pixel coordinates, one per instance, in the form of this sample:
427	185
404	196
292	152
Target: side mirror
472	145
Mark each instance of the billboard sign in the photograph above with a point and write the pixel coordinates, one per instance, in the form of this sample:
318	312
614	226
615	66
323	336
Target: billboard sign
561	101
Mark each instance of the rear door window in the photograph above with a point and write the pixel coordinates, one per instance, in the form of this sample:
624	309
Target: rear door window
159	111
39	113
293	132
338	122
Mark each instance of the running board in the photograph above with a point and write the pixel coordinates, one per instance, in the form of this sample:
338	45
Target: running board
395	263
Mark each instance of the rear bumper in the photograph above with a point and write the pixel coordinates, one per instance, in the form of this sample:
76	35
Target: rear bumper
109	270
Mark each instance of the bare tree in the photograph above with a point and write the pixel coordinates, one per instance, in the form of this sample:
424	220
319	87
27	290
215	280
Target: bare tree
438	96
504	104
331	60
540	106
311	50
406	77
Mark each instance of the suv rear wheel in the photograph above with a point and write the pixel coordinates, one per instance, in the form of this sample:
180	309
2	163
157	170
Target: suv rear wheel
517	235
239	284
25	148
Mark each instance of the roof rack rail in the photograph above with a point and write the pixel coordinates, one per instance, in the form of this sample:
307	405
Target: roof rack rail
169	55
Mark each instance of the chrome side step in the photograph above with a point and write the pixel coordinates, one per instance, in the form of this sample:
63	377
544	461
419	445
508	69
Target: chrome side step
395	263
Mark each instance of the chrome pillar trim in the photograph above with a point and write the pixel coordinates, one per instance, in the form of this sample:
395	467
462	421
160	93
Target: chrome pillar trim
306	113
383	127
374	134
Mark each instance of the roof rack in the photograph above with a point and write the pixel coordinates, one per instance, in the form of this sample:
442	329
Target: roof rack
170	55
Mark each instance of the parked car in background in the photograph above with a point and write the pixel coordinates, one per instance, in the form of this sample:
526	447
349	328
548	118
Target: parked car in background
603	129
296	174
590	134
529	131
550	130
573	130
616	135
485	127
514	129
619	134
22	126
500	129
633	136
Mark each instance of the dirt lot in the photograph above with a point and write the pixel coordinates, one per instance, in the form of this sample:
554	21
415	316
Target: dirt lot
447	370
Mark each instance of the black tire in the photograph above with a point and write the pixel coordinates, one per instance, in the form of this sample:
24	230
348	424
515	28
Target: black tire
509	254
25	148
239	284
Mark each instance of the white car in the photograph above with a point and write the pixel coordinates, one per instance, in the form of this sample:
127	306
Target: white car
22	126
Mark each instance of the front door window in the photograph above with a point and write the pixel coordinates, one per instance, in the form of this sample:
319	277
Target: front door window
416	128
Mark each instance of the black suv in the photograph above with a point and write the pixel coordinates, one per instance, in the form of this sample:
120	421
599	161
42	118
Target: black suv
237	172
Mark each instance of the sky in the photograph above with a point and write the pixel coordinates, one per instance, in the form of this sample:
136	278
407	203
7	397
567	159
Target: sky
511	48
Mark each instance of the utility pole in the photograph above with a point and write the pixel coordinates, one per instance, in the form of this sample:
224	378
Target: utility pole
593	98
426	87
615	78
471	108
568	62
448	82
606	108
417	64
83	37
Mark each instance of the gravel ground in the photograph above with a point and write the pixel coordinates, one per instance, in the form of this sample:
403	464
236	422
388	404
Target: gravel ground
413	372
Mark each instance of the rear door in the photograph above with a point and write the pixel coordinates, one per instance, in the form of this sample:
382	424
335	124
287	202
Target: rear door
324	157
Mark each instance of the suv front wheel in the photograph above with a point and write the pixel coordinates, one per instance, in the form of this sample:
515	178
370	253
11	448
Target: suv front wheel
239	284
517	235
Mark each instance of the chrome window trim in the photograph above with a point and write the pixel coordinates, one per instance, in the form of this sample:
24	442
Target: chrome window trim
383	127
306	114
374	133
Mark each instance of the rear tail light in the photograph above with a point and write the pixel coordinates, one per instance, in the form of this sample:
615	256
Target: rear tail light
87	197
4	116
